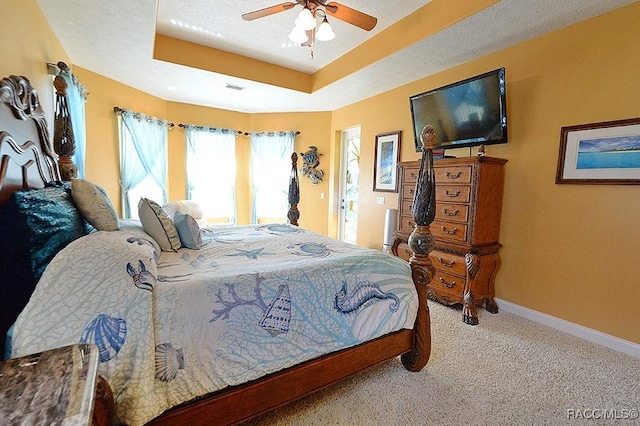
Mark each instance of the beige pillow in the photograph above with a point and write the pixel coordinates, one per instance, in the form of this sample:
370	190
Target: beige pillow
94	205
158	224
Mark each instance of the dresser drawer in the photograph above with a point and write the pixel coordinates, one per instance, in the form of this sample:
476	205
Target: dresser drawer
410	175
453	174
453	193
404	252
448	263
407	224
408	191
449	231
452	212
447	283
405	208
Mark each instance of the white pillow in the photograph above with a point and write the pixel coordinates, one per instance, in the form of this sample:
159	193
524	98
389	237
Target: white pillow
185	206
158	224
94	205
188	230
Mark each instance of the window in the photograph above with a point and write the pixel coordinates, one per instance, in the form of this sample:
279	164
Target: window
211	172
270	170
143	160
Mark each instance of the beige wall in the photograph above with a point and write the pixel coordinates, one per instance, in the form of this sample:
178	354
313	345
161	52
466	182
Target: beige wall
569	250
28	44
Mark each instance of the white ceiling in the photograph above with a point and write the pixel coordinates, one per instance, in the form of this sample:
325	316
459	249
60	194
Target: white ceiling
115	39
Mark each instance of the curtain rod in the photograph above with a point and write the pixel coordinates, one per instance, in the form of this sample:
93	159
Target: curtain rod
239	132
118	110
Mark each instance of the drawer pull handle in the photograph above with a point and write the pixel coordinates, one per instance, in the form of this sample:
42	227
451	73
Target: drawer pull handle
449	232
452	175
452	194
411	191
445	263
446	284
412	174
450	213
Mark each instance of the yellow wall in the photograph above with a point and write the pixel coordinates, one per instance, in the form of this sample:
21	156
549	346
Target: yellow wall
568	250
28	44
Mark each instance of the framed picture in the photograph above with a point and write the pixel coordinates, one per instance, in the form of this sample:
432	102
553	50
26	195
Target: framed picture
600	153
387	155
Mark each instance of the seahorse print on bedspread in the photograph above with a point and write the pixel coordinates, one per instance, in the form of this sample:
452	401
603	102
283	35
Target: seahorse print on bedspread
364	292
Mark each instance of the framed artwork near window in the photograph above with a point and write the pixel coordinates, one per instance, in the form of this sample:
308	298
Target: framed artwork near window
387	155
600	153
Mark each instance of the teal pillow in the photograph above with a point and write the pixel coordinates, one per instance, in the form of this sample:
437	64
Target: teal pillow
188	230
35	224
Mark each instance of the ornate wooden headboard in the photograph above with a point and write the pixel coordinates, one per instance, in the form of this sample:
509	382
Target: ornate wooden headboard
27	159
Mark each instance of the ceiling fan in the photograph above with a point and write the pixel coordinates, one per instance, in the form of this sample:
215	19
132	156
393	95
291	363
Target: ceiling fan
313	9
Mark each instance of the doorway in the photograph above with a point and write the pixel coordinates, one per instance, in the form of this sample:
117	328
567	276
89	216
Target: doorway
349	184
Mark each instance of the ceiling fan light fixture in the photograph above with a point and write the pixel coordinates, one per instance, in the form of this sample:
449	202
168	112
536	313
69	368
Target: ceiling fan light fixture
324	31
305	19
298	35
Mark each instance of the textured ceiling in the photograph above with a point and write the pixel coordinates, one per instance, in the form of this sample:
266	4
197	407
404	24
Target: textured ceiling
116	39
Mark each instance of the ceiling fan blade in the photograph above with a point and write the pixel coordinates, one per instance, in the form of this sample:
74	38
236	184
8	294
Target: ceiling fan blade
261	13
352	16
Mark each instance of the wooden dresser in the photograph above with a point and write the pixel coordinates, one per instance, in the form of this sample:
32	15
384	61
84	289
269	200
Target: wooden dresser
465	229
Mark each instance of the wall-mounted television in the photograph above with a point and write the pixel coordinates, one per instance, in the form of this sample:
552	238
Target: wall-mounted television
468	113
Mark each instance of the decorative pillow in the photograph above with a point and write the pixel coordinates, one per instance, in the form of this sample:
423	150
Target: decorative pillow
158	224
94	205
189	207
35	224
188	230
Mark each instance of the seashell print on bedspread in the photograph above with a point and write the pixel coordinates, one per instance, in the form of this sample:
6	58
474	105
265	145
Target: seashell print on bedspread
252	301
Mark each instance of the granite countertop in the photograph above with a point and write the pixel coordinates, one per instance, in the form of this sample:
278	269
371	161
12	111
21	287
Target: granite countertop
55	387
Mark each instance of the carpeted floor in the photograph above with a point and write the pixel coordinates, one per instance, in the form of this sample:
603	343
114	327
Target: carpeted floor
505	371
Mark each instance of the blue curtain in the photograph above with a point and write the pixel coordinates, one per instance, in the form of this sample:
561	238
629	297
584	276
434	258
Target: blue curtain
211	170
270	172
143	152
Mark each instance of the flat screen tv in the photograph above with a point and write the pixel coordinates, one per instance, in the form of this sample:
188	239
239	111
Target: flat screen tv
468	113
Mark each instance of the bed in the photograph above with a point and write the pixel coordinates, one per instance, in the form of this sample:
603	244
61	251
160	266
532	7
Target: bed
256	317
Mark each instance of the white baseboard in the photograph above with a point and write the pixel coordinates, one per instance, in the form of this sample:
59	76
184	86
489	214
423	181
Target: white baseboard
583	332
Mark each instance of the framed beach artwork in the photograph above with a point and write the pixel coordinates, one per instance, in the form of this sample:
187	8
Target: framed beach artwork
600	153
387	155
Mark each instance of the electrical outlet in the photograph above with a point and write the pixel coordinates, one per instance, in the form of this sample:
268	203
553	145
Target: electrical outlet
322	195
380	200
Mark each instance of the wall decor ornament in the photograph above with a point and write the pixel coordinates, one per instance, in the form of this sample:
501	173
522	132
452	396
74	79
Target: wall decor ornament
310	163
600	153
387	155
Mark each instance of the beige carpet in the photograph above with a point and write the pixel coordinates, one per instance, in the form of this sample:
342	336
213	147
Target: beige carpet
505	371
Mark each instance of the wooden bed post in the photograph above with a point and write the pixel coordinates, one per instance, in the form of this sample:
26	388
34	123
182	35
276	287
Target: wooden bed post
421	243
64	143
294	192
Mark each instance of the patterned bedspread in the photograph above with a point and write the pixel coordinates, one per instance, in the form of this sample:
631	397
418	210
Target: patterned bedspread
174	326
